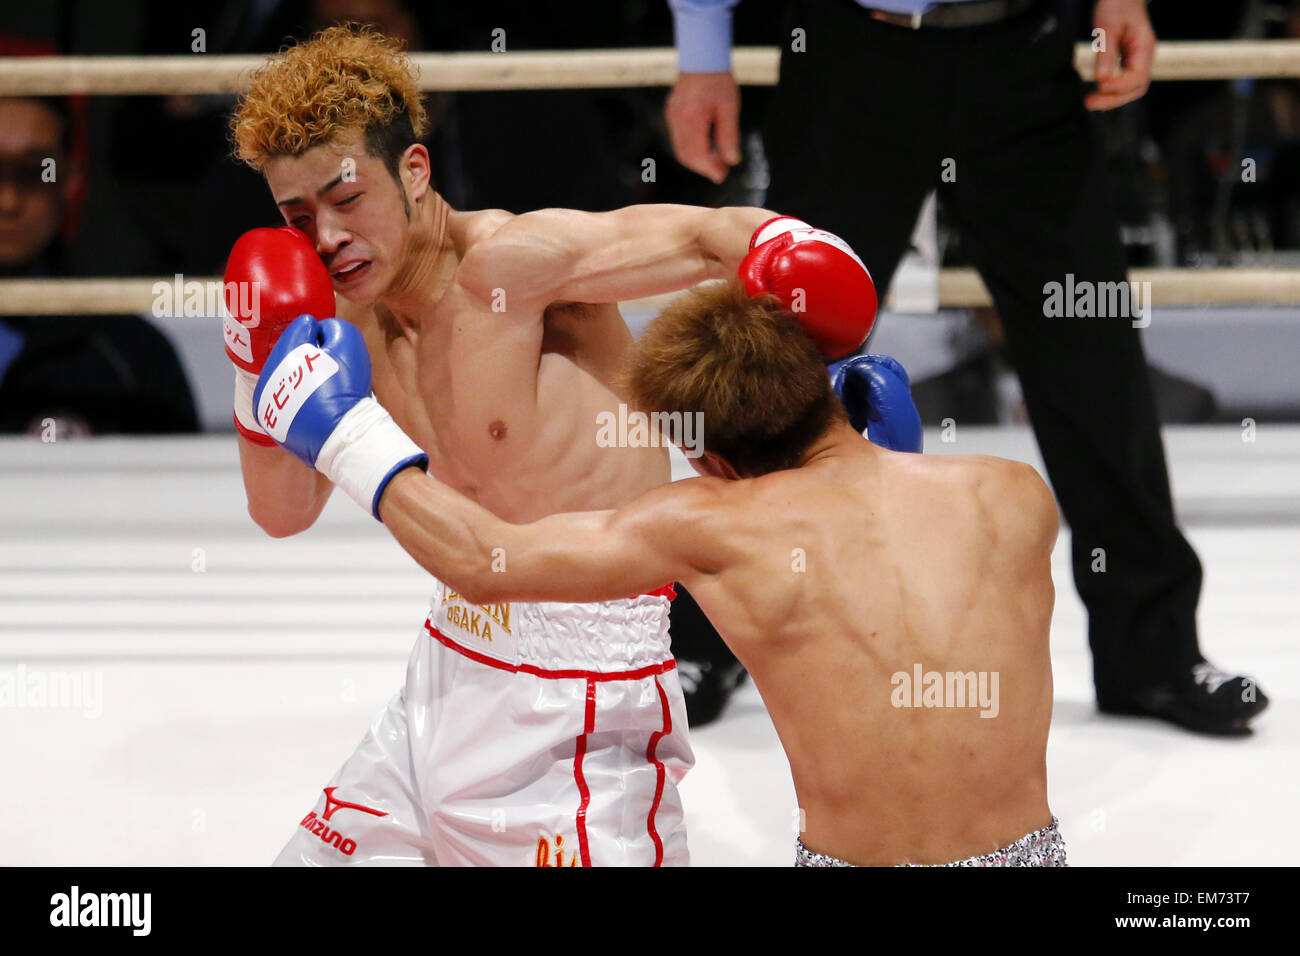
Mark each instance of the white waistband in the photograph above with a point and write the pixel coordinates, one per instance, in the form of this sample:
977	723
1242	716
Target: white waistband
611	637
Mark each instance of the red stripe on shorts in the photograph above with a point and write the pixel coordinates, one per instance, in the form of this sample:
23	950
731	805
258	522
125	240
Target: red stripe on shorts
659	773
650	670
588	725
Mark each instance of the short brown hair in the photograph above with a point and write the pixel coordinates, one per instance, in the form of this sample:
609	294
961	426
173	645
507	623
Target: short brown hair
344	78
747	365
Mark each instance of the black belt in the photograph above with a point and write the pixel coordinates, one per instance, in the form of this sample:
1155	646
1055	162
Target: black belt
947	16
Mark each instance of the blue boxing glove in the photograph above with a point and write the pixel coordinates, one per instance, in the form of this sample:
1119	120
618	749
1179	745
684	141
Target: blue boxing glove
876	391
314	399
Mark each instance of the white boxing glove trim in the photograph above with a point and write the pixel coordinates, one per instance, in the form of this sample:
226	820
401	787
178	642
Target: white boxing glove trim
365	450
245	384
236	335
821	235
775	227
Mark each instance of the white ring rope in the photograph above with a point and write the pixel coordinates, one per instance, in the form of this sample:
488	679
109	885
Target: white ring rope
203	73
755	66
957	288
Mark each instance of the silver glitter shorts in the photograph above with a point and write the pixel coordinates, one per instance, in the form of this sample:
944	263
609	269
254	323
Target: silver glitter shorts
1043	847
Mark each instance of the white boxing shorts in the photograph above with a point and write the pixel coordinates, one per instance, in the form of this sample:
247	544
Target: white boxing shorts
528	734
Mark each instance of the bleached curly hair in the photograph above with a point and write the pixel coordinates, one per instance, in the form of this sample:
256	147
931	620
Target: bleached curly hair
348	77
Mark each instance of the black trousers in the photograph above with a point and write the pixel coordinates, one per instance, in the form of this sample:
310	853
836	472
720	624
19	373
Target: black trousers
862	126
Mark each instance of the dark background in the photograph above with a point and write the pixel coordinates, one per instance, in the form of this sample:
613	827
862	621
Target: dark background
164	196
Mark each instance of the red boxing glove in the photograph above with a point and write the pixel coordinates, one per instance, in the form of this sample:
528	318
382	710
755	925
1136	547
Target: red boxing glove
272	277
816	276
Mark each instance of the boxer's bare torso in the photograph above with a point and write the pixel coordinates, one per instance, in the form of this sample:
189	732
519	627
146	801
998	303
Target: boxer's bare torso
941	562
493	337
521	459
829	580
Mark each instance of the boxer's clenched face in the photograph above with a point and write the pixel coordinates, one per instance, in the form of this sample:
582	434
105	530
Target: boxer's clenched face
353	209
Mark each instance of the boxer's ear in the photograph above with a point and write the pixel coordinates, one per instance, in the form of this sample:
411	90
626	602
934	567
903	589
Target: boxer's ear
415	171
713	465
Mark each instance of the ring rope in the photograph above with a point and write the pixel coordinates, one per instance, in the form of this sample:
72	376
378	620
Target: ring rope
958	288
202	73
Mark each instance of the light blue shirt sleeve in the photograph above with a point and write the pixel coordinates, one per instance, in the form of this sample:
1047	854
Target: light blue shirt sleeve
702	35
904	6
702	30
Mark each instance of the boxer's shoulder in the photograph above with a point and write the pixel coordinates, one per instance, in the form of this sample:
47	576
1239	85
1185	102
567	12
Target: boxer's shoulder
929	473
686	503
697	519
548	223
987	489
999	481
1004	481
1032	506
972	471
481	224
558	228
1014	503
522	256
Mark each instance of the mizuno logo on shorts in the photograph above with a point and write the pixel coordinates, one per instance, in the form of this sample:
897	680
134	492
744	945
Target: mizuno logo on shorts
318	826
333	804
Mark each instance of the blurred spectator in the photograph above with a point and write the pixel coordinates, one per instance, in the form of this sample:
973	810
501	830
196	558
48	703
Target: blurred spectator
70	375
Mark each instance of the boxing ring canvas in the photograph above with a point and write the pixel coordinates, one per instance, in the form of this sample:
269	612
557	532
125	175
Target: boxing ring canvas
174	684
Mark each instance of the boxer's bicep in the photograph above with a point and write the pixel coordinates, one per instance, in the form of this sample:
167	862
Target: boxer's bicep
603	555
566	255
639	251
577	556
580	557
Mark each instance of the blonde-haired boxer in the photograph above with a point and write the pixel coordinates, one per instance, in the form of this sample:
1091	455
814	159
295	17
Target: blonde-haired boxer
892	609
526	733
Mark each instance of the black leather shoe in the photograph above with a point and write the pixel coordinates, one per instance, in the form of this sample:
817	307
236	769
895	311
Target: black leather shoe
1205	700
707	686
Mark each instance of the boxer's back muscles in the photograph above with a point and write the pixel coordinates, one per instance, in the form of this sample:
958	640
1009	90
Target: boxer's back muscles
841	584
851	577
